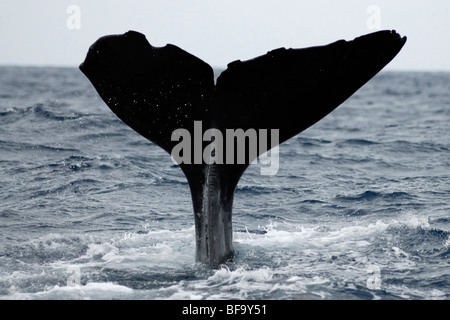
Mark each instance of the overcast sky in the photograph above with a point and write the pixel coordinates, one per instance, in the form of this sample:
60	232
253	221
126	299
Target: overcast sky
59	32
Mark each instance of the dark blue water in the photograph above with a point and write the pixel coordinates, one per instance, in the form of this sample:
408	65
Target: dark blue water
359	208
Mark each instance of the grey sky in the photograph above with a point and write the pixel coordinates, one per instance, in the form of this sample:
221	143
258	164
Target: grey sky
36	32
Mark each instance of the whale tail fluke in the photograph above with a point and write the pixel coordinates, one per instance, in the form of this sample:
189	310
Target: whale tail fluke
164	92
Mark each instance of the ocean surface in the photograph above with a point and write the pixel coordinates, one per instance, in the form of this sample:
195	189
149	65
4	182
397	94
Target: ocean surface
359	209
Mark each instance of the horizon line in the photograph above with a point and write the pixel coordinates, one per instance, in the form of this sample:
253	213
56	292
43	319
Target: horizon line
71	66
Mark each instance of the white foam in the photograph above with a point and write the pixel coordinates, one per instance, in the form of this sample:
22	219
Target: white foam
310	260
309	237
222	284
224	276
90	291
161	248
357	234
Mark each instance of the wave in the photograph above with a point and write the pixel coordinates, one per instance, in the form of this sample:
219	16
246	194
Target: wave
357	142
58	111
373	195
78	186
253	190
310	142
417	147
51	110
423	241
23	146
15	110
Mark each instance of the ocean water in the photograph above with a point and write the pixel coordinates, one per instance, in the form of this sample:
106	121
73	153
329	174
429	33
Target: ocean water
359	209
